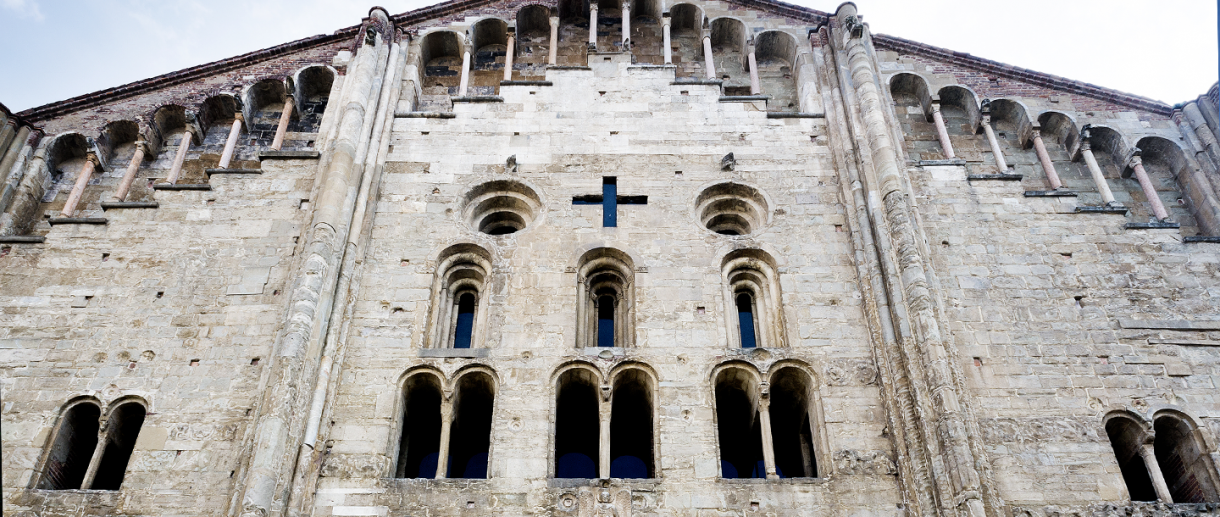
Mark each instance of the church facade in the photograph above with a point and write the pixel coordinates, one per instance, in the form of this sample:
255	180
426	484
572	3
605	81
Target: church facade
620	257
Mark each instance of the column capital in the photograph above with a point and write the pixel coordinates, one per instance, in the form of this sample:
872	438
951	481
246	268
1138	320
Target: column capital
666	20
92	157
1035	134
554	21
1085	145
592	7
986	120
626	5
935	106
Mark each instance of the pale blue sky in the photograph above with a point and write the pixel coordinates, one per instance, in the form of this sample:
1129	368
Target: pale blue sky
56	49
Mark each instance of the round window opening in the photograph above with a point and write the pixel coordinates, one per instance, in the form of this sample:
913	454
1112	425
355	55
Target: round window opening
731	209
501	207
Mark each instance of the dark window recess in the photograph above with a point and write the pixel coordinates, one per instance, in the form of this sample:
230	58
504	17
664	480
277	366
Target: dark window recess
605	321
745	317
740	434
421	435
72	449
1182	461
124	427
576	427
465	321
470	434
631	430
1126	437
791	432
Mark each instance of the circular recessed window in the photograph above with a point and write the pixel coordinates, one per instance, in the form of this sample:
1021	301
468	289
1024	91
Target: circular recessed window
731	209
501	207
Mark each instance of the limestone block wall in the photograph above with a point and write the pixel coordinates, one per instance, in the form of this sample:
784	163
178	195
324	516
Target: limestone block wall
661	140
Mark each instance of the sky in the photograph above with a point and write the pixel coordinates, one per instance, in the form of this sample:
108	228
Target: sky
57	49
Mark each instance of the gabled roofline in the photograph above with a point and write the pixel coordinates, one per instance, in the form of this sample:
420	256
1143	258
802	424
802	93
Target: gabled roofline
906	46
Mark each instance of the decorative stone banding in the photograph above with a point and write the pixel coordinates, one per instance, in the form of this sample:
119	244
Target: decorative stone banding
731	209
501	207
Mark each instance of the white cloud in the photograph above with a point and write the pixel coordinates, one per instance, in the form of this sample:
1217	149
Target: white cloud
25	9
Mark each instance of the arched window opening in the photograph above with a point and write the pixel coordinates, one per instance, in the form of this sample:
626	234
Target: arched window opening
1126	437
441	59
470	434
775	54
421	428
631	430
1174	178
605	307
1183	461
752	287
72	449
577	428
738	425
745	318
489	51
686	40
464	327
792	424
729	55
533	42
311	94
960	110
266	101
732	209
122	430
460	297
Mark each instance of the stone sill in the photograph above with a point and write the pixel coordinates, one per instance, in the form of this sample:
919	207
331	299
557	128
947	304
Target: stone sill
1121	210
684	81
424	114
526	83
794	114
994	177
596	482
182	186
1201	238
743	98
478	98
116	205
1151	226
1129	323
232	171
77	220
1050	193
647	66
454	352
22	239
601	351
781	481
937	163
289	155
453	482
568	67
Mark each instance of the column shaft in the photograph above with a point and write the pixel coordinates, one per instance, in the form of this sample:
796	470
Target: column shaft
626	26
755	88
603	442
78	190
592	27
1107	197
175	170
554	50
768	443
1000	163
1148	453
942	132
231	144
282	128
1141	175
464	85
442	455
130	176
1044	158
709	62
508	59
669	52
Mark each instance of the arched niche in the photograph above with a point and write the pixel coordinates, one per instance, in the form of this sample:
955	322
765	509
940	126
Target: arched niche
70	450
633	423
1171	170
577	422
265	101
910	91
311	88
470	442
441	57
960	108
775	53
488	41
729	54
686	39
794	422
533	42
752	296
419	445
122	429
216	113
461	293
1184	459
738	421
605	299
1011	122
118	141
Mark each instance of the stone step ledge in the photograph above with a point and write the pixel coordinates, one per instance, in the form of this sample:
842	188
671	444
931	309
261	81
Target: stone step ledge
182	186
685	81
478	98
1121	210
526	83
22	239
1202	238
794	114
454	352
118	205
1050	193
289	155
941	163
77	220
994	177
743	98
568	67
232	171
1151	226
424	114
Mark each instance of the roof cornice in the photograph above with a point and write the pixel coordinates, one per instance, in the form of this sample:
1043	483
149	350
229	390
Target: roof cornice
944	55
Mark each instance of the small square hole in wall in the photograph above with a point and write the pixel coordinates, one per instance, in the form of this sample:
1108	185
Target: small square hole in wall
607	59
304	204
5	250
601	93
211	202
685	92
275	292
516	133
309	144
423	132
700	310
404	262
254	362
678	174
296	240
1002	135
253	141
398	310
150	183
978	361
614	132
194	362
470	504
105	257
160	294
838	228
533	93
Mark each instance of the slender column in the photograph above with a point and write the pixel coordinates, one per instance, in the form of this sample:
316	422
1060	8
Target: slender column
1086	151
185	144
554	50
593	26
755	88
1148	453
626	26
709	62
95	462
1044	158
464	85
603	442
231	144
995	145
508	57
442	454
132	169
942	132
282	129
669	52
1141	175
78	190
764	416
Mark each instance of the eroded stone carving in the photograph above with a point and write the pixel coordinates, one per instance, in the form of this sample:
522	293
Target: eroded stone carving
875	463
851	372
348	466
1010	430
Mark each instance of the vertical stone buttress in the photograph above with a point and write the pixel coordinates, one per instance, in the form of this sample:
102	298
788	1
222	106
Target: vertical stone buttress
929	406
282	420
